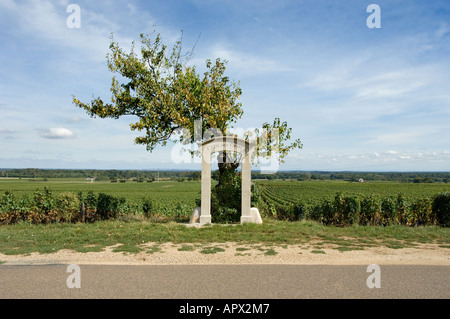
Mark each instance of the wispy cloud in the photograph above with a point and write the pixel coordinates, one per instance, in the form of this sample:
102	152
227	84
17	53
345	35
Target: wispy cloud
403	137
242	63
8	134
376	161
47	21
56	133
6	131
74	119
361	82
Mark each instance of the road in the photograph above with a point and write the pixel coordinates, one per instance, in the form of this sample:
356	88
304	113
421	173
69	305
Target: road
223	282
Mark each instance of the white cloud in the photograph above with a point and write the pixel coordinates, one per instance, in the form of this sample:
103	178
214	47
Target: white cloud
391	152
74	119
243	63
56	133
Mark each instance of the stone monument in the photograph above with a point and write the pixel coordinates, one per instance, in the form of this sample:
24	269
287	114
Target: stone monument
202	215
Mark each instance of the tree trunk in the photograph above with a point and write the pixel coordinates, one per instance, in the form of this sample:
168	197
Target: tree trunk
227	170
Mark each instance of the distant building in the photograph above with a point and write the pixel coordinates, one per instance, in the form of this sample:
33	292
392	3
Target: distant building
91	179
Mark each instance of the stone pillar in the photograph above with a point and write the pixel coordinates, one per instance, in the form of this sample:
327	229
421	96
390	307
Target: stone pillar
246	189
205	212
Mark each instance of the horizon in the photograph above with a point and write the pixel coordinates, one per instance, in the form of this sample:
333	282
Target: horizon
199	170
360	98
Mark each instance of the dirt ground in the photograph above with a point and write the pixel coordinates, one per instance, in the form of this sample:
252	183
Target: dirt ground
233	253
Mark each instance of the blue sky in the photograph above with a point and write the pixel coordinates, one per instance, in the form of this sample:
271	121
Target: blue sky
359	98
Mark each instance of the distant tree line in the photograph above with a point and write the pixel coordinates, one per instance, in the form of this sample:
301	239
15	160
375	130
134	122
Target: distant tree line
405	177
152	175
117	175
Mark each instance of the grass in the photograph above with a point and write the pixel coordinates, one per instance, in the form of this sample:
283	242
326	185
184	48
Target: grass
154	249
128	248
186	248
211	250
270	252
129	236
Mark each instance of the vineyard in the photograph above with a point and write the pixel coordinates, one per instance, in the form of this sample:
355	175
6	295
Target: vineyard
312	192
344	203
168	198
328	202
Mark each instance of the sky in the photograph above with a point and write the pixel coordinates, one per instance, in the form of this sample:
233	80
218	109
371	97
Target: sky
360	98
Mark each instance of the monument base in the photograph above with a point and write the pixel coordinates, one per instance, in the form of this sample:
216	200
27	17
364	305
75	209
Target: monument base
254	217
198	218
205	219
246	219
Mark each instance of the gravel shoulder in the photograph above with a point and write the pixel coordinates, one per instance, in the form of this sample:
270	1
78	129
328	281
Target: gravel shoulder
234	253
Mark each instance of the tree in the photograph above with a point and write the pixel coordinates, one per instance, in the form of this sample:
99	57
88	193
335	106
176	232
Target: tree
166	95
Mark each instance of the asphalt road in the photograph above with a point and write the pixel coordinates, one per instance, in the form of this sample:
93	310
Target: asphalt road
223	282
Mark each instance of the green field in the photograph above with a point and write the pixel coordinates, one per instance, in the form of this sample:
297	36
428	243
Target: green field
311	192
165	194
171	193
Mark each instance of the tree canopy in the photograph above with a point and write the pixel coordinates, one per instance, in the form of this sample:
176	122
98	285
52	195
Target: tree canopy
165	95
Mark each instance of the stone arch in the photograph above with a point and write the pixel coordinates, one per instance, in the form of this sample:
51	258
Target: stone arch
231	144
